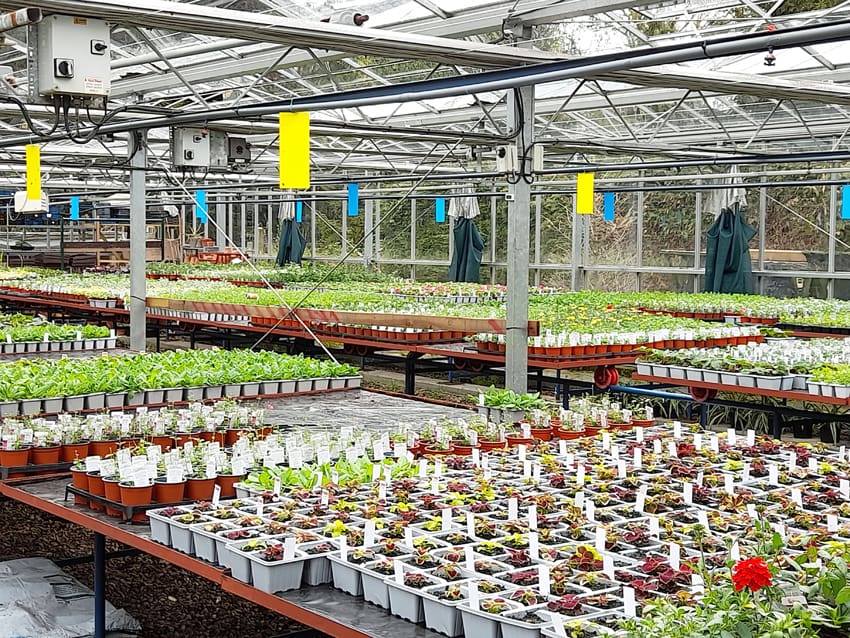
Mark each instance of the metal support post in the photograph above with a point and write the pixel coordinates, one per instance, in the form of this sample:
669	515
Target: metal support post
830	260
138	241
367	233
520	120
61	243
99	585
762	236
410	372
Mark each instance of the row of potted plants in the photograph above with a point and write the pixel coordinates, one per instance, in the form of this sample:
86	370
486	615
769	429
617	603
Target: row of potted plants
553	528
34	386
21	333
777	365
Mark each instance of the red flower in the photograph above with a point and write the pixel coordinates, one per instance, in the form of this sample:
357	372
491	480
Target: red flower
752	573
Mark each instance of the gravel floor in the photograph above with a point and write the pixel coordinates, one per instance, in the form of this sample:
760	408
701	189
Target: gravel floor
180	605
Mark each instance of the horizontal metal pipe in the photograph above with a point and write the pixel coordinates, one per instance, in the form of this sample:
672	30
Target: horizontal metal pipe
647	392
19	18
501	79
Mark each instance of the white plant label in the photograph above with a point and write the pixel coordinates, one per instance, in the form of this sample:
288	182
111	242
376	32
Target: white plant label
831	523
600	539
698	441
656	447
792	461
797	496
580	474
813	465
654	527
398	571
216	496
532	517
640	499
675	556
637	458
677	429
543	577
579	499
844	488
438	468
382	491
472	594
745	472
608	566
276	489
469	557
526	469
629	604
672	450
751	438
446	517
752	512
326	497
408	537
423	468
174	475
535	472
470	525
376	472
476	457
729	483
562	450
513	509
841	452
702	518
773	474
521	453
343	547
369	532
639	435
590	510
289	548
621	468
606	440
534	545
714	443
435	485
260	506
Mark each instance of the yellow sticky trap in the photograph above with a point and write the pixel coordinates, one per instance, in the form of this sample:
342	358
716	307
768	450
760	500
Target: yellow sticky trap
294	146
584	194
33	172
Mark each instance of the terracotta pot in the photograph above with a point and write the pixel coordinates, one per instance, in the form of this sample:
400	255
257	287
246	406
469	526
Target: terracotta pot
46	455
181	438
568	435
102	448
164	442
463	450
227	482
129	443
543	434
168	492
96	488
112	491
643	423
231	435
199	489
137	497
15	458
432	451
486	446
212	436
591	431
80	480
517	439
74	451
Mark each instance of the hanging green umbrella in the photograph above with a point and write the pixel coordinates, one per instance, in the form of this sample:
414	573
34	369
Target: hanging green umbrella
469	247
728	267
292	243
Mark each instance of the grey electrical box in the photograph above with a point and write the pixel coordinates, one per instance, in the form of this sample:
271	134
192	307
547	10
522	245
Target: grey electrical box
218	149
190	148
73	56
238	150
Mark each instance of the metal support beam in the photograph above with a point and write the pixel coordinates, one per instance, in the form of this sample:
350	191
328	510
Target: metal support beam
138	241
99	585
520	119
368	225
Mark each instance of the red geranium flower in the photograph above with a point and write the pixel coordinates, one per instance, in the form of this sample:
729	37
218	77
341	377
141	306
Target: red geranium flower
753	573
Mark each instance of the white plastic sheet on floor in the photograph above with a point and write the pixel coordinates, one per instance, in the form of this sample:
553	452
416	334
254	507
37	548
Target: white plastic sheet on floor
39	600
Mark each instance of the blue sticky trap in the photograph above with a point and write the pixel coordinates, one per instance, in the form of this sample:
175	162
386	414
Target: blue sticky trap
440	210
353	199
845	202
201	209
299	211
608	201
75	208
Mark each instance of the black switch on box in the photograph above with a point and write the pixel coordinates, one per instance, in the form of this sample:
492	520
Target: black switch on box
63	68
98	47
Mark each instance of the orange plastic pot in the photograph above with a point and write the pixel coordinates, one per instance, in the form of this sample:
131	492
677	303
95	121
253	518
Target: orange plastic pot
73	451
168	492
112	492
80	480
45	455
96	488
200	489
227	483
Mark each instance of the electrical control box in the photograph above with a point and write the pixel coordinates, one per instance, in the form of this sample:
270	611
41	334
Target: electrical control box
190	147
238	150
73	56
218	149
506	159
